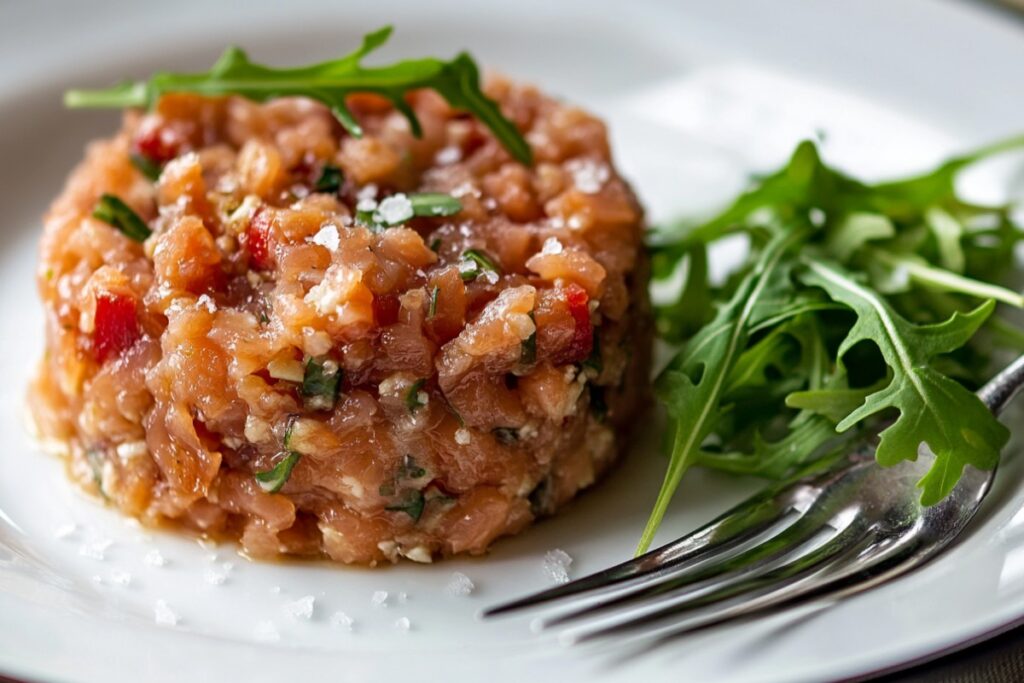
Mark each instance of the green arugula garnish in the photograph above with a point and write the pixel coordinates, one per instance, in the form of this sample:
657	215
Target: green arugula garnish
110	209
857	303
412	504
321	384
399	208
330	82
274	479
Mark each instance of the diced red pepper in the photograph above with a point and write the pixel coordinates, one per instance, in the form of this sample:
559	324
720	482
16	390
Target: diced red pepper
258	241
583	336
385	309
116	327
157	142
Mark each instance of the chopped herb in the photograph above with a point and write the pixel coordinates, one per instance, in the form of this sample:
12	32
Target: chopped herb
330	82
146	166
412	504
424	205
435	244
289	427
473	263
451	409
112	210
528	348
429	204
330	179
264	318
412	397
432	310
506	436
321	383
273	479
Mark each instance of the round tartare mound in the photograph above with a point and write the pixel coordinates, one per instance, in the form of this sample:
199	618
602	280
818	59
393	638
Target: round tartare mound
291	355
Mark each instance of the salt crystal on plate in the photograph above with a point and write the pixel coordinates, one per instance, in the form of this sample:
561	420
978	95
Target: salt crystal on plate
217	576
395	209
341	620
301	608
163	614
266	631
65	530
379	599
459	585
403	624
121	578
96	549
154	559
403	596
556	565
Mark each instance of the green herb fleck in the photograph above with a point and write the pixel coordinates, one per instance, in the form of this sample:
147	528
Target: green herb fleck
475	262
412	397
274	479
289	428
330	82
146	166
330	179
528	348
435	244
112	210
321	384
409	469
412	504
427	204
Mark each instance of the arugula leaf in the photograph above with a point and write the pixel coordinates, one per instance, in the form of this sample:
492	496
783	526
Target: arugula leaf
110	209
412	504
330	82
692	385
146	166
474	263
412	396
933	408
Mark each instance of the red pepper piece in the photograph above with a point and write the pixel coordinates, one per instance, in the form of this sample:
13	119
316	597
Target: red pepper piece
258	241
116	327
583	336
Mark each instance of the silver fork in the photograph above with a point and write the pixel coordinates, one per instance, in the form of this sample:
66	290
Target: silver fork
827	535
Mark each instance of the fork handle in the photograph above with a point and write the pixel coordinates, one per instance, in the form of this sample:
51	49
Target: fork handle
1001	389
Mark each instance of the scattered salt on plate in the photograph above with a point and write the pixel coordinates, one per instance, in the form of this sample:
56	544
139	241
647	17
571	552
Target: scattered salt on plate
154	559
556	565
341	620
65	530
403	624
301	608
163	614
459	585
379	599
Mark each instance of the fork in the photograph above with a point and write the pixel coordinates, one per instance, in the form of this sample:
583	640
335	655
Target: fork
823	536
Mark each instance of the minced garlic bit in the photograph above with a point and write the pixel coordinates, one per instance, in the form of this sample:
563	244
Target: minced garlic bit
417	553
463	437
328	237
288	369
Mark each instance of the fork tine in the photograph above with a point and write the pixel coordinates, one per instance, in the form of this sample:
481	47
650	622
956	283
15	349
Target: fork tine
787	543
738	525
775	584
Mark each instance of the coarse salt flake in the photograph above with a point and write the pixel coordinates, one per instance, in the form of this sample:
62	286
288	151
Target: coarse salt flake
379	599
206	302
367	192
403	624
96	550
327	237
341	620
163	614
121	578
154	559
459	585
301	608
463	436
588	175
448	155
395	209
556	565
366	205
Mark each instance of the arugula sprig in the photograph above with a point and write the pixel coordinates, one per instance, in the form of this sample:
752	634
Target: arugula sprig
857	303
330	82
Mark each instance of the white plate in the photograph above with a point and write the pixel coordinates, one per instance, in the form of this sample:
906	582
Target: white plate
698	94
